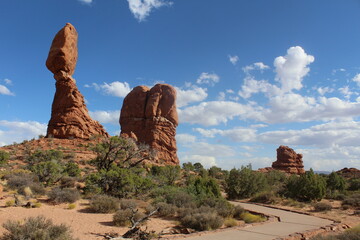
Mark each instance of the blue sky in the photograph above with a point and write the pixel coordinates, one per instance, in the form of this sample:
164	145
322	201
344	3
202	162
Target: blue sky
250	75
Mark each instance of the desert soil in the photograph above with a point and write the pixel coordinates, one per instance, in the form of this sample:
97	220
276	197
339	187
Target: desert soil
84	225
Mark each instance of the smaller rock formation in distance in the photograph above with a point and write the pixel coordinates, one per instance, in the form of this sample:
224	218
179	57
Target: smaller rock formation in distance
349	172
288	161
69	115
149	116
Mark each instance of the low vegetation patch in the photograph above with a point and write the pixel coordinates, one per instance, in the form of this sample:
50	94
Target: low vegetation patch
322	207
36	228
104	204
251	218
66	195
351	234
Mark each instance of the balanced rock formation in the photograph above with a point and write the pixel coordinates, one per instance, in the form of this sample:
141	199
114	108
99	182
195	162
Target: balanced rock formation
288	161
149	116
69	115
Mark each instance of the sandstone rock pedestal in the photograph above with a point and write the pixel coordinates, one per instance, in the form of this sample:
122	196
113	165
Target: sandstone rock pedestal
149	116
69	114
288	161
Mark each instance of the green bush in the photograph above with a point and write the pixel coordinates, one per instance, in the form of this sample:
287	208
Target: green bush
307	187
104	204
120	182
202	219
68	182
335	182
354	184
244	183
175	196
4	157
66	195
352	200
36	228
322	207
72	169
204	187
166	175
49	172
45	156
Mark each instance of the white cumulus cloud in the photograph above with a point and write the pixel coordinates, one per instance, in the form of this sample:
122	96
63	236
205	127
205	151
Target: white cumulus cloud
357	79
141	8
17	131
86	1
233	59
186	96
116	89
5	91
105	117
292	68
208	78
255	66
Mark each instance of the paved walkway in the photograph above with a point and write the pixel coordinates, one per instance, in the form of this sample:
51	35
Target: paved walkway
289	223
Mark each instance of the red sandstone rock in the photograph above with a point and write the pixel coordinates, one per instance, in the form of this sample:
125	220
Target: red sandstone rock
288	161
69	115
349	172
149	116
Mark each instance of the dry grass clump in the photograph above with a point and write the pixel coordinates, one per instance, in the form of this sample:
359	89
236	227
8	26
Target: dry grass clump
322	207
251	218
66	195
36	228
104	204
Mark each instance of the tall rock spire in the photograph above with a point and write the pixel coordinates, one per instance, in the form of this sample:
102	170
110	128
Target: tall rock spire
69	115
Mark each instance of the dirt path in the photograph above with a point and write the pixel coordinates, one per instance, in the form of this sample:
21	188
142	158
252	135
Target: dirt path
289	223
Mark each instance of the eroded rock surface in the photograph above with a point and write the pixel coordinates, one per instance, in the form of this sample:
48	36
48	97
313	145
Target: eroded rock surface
149	116
69	115
288	161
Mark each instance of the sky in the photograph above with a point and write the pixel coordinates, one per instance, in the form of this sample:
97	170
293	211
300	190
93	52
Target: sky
250	75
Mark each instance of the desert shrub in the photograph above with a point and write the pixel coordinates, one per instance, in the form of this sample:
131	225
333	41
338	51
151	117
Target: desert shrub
45	156
67	182
202	219
48	172
165	209
166	175
307	187
104	204
264	197
335	182
222	207
204	187
66	195
322	207
22	180
352	200
122	217
238	210
4	157
230	222
119	182
72	169
173	195
251	218
127	203
354	184
188	166
244	183
36	228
